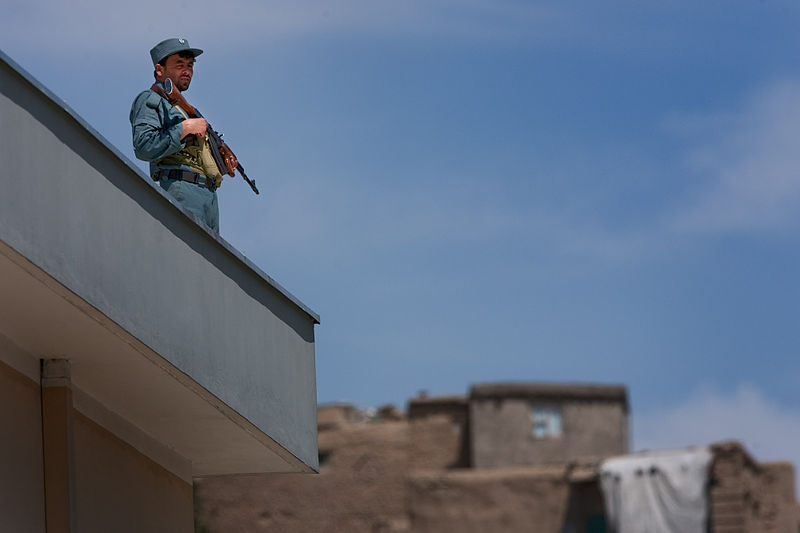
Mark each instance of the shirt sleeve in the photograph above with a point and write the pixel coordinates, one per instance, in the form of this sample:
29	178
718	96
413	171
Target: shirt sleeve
155	133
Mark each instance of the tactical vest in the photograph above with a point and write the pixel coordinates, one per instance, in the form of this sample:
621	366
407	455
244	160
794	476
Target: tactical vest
196	154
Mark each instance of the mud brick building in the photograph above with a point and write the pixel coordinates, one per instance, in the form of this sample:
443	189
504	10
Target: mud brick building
506	457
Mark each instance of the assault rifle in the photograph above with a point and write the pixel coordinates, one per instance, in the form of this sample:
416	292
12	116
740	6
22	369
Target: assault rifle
223	155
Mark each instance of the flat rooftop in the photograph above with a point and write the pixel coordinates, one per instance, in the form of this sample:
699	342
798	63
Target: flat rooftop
551	391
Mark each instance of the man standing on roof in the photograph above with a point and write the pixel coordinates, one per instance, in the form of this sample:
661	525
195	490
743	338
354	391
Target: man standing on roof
175	145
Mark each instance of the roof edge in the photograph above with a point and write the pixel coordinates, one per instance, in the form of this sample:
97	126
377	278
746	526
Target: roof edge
554	391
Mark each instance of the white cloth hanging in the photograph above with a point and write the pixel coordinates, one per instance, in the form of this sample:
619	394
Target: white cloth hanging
657	492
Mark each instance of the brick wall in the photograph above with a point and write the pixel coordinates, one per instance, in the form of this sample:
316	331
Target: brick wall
748	497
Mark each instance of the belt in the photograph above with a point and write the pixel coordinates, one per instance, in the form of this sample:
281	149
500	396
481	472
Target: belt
186	175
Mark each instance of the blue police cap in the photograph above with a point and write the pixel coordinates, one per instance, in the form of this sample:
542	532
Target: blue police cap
172	46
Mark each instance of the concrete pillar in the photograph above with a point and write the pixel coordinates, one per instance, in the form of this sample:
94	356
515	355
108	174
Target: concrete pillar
59	469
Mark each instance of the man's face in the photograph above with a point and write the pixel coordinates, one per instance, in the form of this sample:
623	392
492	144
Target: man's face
179	69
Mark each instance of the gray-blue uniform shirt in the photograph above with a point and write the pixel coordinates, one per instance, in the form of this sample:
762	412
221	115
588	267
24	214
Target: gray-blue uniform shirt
157	130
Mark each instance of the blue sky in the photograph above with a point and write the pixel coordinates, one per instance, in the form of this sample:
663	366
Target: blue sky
473	191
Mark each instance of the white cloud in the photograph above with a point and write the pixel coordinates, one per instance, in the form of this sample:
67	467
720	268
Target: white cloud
749	163
767	429
742	176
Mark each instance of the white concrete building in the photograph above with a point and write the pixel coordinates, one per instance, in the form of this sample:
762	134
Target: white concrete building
138	350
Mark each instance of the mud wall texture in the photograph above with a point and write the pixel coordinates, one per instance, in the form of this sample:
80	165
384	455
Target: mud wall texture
502	432
380	476
361	487
474	501
751	497
440	432
387	477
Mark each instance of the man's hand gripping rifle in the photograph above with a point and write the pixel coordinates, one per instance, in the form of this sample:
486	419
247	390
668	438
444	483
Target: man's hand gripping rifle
223	155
